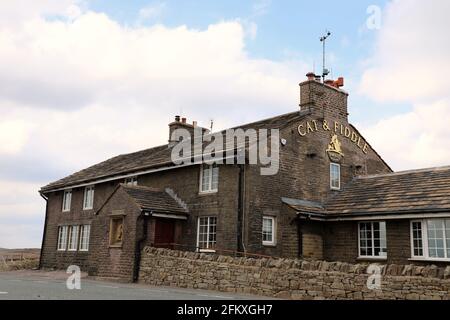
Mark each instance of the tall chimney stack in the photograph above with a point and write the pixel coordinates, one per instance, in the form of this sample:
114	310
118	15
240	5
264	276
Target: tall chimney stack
181	123
324	99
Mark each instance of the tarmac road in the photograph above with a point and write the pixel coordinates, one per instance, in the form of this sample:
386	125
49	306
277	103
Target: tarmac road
40	285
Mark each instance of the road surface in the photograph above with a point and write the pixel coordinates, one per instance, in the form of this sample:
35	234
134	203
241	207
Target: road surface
35	285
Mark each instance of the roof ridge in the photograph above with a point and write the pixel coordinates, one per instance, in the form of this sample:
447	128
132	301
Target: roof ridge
431	169
264	120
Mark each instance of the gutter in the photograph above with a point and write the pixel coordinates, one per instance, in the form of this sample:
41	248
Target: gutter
411	214
45	229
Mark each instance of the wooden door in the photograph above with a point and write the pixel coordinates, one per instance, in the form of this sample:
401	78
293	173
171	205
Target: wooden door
164	233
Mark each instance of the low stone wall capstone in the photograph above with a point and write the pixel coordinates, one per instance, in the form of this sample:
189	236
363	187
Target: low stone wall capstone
291	279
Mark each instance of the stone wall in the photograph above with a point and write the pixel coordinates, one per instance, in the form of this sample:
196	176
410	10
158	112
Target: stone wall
289	278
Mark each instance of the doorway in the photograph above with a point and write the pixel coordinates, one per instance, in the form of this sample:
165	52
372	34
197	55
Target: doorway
164	233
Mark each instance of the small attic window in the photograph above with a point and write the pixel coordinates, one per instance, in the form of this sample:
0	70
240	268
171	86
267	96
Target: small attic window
131	181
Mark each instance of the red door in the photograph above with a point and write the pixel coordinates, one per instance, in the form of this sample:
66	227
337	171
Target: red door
164	233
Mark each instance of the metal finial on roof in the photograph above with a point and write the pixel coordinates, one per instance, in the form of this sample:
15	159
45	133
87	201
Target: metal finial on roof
323	39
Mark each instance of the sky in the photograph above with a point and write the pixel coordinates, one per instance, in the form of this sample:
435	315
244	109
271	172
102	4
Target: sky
84	80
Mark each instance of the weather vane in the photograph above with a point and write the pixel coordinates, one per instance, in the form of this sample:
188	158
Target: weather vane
323	39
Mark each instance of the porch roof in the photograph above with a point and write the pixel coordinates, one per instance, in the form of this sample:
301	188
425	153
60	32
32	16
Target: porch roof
156	200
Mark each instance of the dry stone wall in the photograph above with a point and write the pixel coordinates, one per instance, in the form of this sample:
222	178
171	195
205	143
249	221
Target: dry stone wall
290	278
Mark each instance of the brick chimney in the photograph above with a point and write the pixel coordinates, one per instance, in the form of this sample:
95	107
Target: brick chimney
181	123
326	100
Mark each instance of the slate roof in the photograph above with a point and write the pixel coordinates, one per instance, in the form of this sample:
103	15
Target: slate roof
156	200
152	158
416	191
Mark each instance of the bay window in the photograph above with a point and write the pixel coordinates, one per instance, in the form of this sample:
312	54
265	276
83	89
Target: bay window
430	239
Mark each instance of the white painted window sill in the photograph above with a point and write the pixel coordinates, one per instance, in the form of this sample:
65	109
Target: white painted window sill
206	251
419	259
269	244
207	192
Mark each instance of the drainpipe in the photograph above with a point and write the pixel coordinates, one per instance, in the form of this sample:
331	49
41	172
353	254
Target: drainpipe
300	237
137	260
241	210
45	229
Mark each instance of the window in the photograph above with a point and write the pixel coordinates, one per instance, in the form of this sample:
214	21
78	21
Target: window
62	238
372	240
335	176
209	178
88	202
206	234
132	181
73	238
67	199
417	239
85	232
116	232
430	239
268	231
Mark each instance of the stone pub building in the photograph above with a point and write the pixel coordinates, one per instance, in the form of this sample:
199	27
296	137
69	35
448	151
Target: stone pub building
334	198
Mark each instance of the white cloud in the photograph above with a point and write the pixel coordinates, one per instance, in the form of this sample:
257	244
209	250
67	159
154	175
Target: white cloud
416	139
21	215
13	136
151	12
410	65
78	90
411	60
13	13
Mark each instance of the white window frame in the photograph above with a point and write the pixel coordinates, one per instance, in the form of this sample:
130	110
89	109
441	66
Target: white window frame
67	200
425	246
131	181
271	243
373	256
207	249
72	239
88	205
211	168
62	238
85	233
332	164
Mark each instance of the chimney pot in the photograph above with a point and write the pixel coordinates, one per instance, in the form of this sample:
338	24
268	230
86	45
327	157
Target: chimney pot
311	76
177	118
194	124
339	82
183	120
